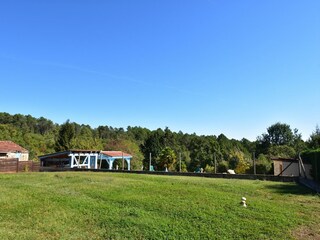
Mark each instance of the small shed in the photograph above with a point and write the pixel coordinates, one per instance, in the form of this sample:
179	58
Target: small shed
9	149
290	167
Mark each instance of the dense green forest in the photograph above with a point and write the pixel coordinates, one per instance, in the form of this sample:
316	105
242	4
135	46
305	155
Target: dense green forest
42	136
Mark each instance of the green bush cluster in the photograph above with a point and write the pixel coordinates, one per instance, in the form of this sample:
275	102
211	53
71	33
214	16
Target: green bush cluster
313	157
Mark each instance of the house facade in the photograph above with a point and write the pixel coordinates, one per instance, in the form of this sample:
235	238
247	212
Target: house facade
9	149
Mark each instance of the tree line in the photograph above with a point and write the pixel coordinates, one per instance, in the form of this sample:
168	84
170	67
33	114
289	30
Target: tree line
168	150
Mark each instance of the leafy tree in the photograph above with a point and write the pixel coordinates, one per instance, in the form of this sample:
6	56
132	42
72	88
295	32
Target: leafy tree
106	132
314	140
139	134
5	118
263	165
280	141
185	159
128	146
183	166
65	137
37	145
86	138
279	134
209	169
283	151
202	151
225	146
154	145
9	132
103	132
248	145
241	164
169	138
44	126
167	159
262	144
222	167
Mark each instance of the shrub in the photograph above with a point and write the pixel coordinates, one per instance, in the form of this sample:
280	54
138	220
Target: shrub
313	157
209	169
223	166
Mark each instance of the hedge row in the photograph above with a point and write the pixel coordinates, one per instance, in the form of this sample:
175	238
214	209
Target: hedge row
313	156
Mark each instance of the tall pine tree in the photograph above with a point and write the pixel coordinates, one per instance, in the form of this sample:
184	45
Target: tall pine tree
65	137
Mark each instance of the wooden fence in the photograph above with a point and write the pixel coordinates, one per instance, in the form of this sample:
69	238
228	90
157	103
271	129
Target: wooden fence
189	174
12	165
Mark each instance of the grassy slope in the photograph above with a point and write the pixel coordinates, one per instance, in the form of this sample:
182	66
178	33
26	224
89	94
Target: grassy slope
118	206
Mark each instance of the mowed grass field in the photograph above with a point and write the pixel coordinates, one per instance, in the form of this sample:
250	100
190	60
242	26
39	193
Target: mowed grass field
84	205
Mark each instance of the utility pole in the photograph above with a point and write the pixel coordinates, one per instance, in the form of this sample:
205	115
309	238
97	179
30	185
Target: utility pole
100	160
122	162
149	161
215	163
254	163
180	162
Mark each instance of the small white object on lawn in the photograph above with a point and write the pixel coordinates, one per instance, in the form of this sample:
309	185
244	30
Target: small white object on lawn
243	202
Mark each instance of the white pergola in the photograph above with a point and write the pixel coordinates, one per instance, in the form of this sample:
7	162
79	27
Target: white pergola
84	159
111	156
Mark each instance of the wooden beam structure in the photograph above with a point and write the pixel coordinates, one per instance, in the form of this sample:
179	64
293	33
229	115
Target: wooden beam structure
84	159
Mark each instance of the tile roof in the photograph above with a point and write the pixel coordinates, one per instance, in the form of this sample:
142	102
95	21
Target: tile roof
9	146
116	154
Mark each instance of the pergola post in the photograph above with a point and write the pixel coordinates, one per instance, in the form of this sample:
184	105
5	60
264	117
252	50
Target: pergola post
87	160
96	161
128	162
71	163
111	163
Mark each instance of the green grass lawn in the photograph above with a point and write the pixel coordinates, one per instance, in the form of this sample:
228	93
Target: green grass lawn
84	205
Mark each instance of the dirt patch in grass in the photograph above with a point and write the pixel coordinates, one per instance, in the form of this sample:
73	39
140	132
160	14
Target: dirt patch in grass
306	232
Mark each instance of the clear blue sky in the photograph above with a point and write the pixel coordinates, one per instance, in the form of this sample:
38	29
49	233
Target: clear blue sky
203	66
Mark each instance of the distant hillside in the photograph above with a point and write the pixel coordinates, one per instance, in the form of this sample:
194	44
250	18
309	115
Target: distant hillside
40	136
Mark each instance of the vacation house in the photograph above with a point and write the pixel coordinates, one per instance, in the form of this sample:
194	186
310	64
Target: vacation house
9	149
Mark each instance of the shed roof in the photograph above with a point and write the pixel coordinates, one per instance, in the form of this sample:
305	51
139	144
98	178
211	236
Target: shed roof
116	154
284	159
9	146
65	154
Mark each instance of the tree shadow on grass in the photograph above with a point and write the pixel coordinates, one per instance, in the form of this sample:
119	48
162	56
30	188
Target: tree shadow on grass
293	188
